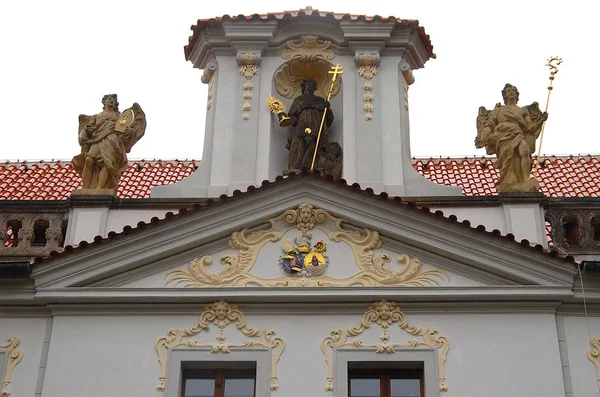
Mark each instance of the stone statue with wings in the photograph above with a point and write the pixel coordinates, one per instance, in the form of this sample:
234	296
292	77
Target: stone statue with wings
105	140
510	131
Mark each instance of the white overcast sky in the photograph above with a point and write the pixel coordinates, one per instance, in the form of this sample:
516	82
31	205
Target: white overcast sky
58	58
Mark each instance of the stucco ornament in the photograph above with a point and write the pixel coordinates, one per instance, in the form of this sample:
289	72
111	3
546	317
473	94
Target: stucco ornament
307	57
248	63
372	267
220	314
510	131
385	314
105	140
15	356
593	354
367	68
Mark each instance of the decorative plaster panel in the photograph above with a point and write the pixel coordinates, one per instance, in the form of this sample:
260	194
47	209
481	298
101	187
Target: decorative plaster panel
385	314
220	314
302	266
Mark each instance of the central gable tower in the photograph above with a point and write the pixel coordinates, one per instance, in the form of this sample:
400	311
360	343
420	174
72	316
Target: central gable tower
247	59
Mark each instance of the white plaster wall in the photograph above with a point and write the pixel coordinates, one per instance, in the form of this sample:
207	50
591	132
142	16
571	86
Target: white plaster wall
87	223
31	331
117	219
582	371
523	221
491	217
493	355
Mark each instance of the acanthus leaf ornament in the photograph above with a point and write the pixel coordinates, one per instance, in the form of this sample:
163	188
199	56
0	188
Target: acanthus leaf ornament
372	267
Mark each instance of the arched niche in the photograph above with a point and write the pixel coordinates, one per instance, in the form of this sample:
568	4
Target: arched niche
305	57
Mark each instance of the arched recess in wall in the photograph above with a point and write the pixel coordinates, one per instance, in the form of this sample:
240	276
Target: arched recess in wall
307	56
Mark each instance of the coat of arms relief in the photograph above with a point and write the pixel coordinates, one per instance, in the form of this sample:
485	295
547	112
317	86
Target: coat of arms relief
304	262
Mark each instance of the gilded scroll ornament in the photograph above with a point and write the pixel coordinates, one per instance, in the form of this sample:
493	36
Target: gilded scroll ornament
15	356
372	267
219	314
593	354
385	314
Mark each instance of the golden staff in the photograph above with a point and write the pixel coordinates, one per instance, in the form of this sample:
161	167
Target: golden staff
335	70
553	63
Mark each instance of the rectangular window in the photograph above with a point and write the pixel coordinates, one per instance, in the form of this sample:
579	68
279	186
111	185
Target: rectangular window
221	380
372	380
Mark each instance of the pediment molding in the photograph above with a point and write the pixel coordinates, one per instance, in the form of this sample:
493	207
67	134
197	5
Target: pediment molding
504	261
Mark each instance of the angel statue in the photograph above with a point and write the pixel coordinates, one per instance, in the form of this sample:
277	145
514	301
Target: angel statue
105	140
510	131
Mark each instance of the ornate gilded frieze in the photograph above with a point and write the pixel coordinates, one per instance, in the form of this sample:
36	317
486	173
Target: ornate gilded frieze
306	57
593	354
367	64
219	314
15	356
248	63
298	264
385	314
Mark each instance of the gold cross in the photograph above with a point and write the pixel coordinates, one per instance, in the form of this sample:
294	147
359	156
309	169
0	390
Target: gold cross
335	70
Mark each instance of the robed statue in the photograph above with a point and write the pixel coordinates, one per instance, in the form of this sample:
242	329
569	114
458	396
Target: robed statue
105	140
510	131
305	117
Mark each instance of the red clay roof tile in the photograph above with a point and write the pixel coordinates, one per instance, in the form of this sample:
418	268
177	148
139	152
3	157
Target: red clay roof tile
303	13
558	177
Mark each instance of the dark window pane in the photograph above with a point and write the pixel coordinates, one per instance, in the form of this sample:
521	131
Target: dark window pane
199	388
239	388
364	387
405	387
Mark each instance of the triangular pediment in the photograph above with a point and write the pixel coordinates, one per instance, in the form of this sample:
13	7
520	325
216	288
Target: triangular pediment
305	232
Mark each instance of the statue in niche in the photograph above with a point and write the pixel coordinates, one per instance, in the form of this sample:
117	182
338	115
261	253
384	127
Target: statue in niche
305	116
510	131
105	140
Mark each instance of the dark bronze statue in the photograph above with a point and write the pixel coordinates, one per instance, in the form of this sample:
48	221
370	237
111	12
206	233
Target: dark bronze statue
305	117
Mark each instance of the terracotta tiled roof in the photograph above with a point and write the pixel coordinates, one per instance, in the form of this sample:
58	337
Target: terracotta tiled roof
558	176
224	199
572	176
55	180
308	13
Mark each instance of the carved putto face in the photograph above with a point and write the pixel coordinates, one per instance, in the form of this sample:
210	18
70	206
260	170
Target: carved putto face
221	311
387	313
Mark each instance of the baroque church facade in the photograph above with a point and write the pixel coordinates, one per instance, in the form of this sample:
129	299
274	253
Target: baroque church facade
245	276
